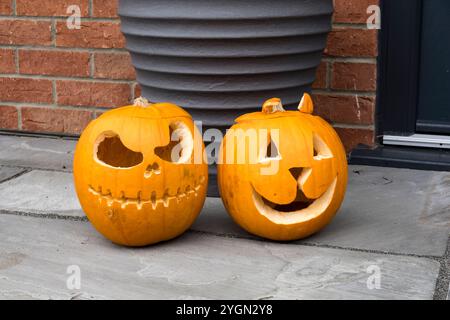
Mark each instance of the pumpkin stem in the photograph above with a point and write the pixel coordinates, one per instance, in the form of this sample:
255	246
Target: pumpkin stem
141	102
306	104
273	105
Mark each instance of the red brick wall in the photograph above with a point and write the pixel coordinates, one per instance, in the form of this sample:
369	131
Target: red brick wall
345	90
53	79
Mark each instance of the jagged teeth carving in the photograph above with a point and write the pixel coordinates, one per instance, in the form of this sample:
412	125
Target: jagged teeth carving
139	201
154	200
166	198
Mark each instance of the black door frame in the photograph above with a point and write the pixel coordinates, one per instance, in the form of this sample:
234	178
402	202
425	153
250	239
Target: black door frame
398	91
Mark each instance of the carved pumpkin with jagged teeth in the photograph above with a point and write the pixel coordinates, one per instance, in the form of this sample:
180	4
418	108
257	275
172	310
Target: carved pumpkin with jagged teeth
297	181
137	176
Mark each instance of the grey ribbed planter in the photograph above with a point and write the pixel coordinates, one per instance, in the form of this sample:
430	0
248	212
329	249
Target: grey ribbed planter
222	58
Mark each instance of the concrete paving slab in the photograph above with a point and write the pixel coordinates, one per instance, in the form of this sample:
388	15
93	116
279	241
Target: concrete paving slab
43	153
215	219
386	209
389	209
9	172
437	203
36	255
47	193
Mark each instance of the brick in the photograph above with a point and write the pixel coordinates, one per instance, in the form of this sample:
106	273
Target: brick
55	120
352	137
26	90
91	35
93	94
354	76
54	63
351	109
137	90
8	117
50	8
105	8
25	32
114	66
321	76
352	43
7	61
6	8
352	11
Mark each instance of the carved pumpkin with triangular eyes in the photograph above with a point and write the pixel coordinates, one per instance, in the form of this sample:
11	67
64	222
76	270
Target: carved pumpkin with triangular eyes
295	184
135	173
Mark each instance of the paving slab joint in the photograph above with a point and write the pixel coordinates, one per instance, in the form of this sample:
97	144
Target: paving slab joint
51	216
21	173
443	281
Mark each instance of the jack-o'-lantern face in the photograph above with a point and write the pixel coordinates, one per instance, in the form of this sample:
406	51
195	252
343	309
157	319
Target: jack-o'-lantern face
298	180
136	176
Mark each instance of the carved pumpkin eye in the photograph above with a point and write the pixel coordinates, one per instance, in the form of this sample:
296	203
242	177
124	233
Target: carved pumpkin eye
271	153
321	150
181	145
110	151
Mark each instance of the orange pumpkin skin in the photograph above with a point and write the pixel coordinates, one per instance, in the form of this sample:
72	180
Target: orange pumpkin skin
132	195
308	187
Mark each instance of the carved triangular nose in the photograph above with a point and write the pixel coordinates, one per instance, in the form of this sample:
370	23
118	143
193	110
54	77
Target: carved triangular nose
296	172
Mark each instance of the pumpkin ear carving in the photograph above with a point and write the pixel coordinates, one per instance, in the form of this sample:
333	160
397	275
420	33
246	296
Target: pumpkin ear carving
306	104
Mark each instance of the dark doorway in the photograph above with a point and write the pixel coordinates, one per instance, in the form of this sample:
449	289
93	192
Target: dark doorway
413	101
433	112
414	96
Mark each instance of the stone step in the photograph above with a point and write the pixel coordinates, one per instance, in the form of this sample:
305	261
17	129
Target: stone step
36	255
388	210
45	193
42	153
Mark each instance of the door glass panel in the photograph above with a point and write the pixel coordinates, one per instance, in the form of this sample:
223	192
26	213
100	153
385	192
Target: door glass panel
434	84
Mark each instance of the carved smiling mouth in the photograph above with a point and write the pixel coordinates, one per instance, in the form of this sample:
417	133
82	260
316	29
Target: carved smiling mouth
154	201
300	210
